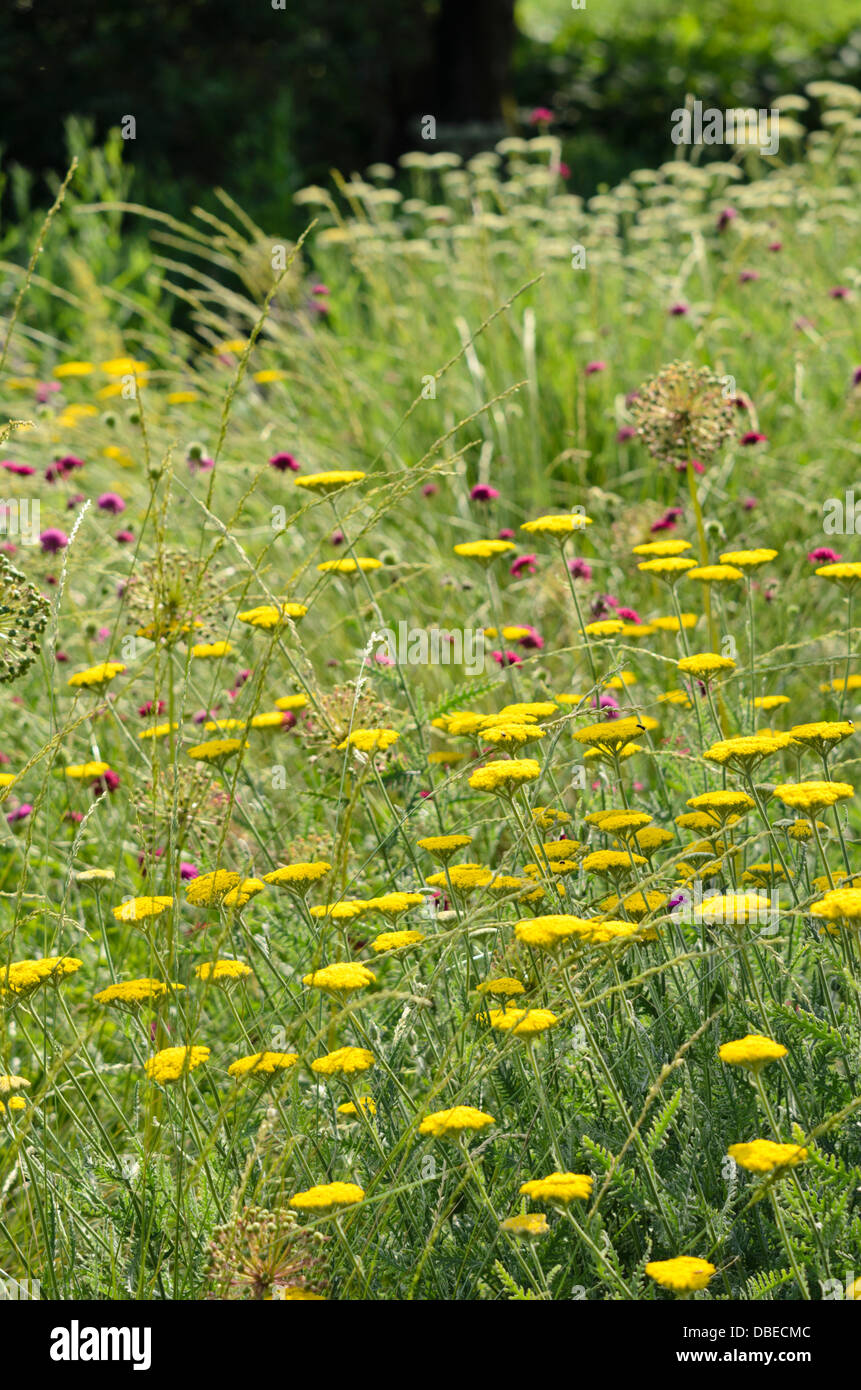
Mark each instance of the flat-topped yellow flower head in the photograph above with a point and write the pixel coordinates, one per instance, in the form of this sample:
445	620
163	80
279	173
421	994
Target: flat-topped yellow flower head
684	1274
559	1187
441	1124
331	481
263	1064
95	676
172	1063
328	1195
754	1051
344	1061
766	1156
342	977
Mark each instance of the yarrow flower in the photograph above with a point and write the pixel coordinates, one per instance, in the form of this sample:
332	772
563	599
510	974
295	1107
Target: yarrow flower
326	1196
370	740
753	1051
332	481
172	1063
344	1061
134	992
766	1156
559	1187
523	1023
341	977
503	777
97	675
263	1063
684	1274
141	909
461	1118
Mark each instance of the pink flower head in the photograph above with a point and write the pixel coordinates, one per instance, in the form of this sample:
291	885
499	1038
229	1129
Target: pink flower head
678	310
839	292
319	289
483	492
199	464
542	115
75	501
108	782
592	367
625	433
44	389
60	656
124	537
337	538
507	659
383	659
430	490
668	521
283	462
53	540
23	470
579	569
749	503
242	676
532	641
728	215
745	276
22	812
608	703
753	437
628	615
506	534
856	377
695	465
103	634
151	707
523	562
111	502
564	170
775	246
822	555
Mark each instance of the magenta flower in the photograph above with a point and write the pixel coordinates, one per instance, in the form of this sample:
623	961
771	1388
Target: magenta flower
507	659
745	276
564	170
839	292
53	540
319	289
60	656
337	538
151	707
283	462
822	555
775	246
753	437
483	492
532	641
625	433
430	490
749	503
506	534
677	310
667	521
187	871
197	463
75	501
23	470
22	812
695	465
592	367
542	115
523	562
728	215
856	377
628	615
111	502
608	703
44	389
124	537
579	569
